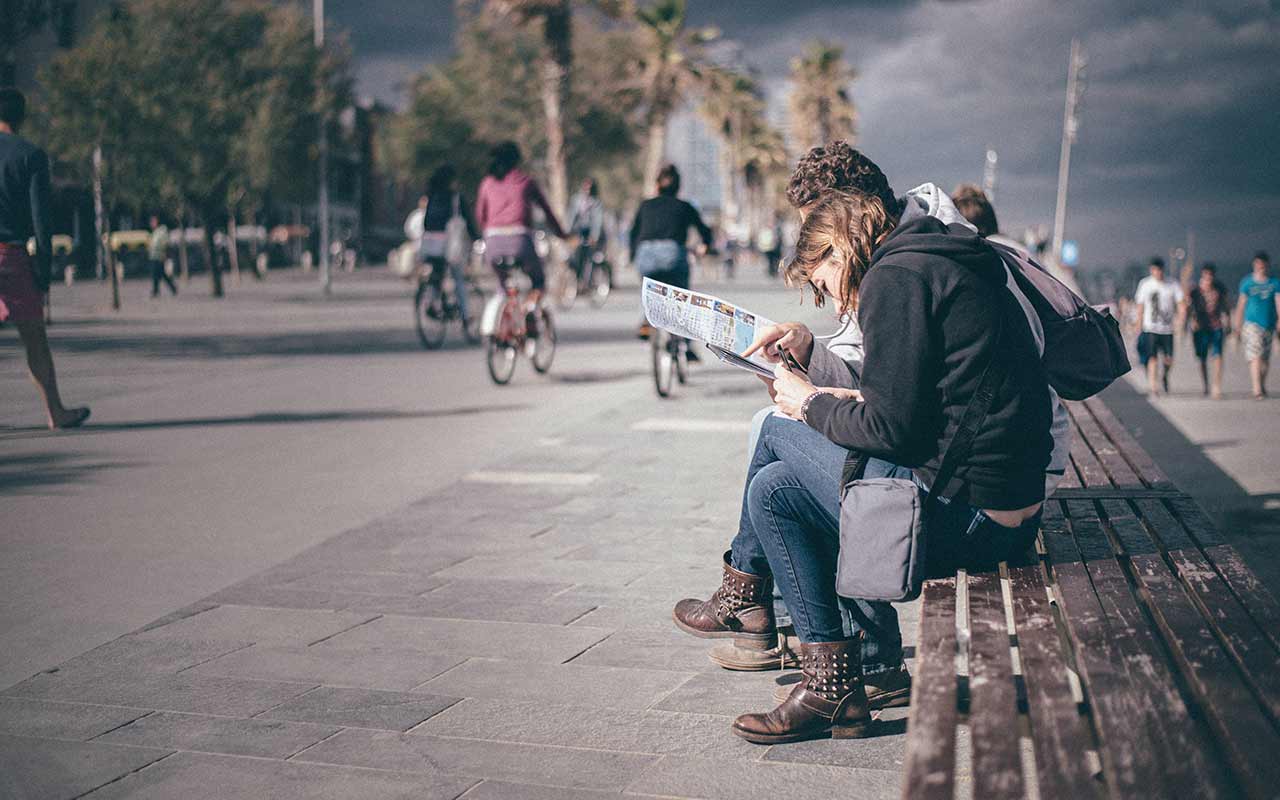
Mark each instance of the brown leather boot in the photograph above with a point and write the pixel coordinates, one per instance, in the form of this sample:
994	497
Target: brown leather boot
741	609
782	655
830	702
889	689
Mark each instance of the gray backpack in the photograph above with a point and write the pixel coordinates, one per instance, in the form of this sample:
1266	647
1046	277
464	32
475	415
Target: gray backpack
1084	351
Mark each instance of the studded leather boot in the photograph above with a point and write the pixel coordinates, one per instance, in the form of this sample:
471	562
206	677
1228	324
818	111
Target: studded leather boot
741	609
829	702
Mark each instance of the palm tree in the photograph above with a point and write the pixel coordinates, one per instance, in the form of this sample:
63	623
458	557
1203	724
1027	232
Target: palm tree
671	67
820	99
556	17
731	105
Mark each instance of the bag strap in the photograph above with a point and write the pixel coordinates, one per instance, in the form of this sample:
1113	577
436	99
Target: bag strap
975	414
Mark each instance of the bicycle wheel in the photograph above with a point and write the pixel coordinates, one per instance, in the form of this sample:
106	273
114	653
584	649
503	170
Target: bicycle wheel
501	360
681	359
429	316
600	284
544	349
566	288
476	300
664	366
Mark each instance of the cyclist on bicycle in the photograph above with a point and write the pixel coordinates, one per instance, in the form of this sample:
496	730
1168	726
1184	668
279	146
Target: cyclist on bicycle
659	233
443	203
504	209
586	221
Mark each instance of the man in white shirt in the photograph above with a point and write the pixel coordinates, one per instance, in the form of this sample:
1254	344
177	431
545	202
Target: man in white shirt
1161	305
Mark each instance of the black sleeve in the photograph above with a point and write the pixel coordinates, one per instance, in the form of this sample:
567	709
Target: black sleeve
695	220
898	418
635	231
40	221
472	229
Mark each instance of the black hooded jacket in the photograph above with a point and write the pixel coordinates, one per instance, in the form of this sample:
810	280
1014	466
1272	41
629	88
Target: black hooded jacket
928	307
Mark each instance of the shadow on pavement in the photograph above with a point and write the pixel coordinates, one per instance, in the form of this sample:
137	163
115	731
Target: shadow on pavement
265	418
37	470
1244	519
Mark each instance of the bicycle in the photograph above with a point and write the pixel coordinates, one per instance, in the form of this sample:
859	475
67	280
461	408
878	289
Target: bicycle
670	358
589	273
435	305
504	328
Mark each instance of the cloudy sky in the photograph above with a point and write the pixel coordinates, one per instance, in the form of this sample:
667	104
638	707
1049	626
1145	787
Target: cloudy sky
1179	125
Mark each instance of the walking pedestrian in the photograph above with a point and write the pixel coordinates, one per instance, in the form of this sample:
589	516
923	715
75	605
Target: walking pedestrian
1210	321
24	281
1160	303
1256	315
157	252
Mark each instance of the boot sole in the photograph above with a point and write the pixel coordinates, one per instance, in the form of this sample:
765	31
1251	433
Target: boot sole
860	730
766	666
898	698
751	638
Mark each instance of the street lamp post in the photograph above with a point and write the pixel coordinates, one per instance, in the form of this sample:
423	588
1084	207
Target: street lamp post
1070	124
326	277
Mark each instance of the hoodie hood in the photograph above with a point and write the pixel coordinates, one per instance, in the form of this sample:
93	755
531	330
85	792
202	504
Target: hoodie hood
928	236
927	200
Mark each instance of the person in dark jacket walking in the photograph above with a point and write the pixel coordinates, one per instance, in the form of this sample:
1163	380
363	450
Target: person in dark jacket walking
660	235
934	298
24	281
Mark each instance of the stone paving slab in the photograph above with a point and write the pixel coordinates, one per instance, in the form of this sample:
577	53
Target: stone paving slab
237	737
501	790
716	779
557	683
50	769
626	730
395	670
198	694
276	625
465	638
199	776
361	708
77	721
541	765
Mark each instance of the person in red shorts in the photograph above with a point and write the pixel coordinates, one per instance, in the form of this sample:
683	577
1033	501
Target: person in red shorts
24	280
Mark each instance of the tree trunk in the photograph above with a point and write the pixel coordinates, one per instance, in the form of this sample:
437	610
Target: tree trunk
728	197
233	249
210	218
102	226
184	266
557	35
657	151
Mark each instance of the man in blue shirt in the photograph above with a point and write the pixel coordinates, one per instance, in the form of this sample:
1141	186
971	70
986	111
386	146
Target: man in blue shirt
1256	315
24	280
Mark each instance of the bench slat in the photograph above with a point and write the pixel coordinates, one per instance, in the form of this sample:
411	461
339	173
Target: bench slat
1058	732
931	722
1196	521
1121	473
1091	471
1168	739
1142	463
1255	597
993	698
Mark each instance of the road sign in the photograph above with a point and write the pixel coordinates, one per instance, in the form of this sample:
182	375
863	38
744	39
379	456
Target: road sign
1070	253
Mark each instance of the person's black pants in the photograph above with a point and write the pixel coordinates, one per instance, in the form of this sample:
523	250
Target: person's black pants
158	274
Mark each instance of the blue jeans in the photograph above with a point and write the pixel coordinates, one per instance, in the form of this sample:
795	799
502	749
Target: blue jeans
790	528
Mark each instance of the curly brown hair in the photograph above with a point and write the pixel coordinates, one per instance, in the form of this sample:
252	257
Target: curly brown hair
847	227
973	205
837	165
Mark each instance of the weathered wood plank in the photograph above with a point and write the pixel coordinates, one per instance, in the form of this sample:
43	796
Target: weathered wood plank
1059	733
1253	595
1167	741
1087	530
1091	472
1171	535
1122	474
1141	462
931	721
1112	493
1242	730
1057	539
1197	523
993	700
1133	536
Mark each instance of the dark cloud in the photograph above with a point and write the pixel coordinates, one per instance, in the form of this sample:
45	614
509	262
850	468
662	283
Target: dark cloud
1178	128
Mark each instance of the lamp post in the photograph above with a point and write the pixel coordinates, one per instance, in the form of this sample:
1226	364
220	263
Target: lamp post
326	277
1070	125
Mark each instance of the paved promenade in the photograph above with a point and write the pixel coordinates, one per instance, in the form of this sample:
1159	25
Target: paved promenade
504	633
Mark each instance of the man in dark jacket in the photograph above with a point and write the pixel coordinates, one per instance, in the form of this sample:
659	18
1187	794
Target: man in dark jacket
24	281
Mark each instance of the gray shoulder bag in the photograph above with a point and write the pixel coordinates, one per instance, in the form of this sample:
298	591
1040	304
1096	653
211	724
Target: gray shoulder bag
883	521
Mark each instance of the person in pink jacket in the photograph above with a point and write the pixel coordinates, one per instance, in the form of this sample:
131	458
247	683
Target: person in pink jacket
504	212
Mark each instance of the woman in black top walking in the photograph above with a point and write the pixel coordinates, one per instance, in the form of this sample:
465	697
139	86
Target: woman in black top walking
660	232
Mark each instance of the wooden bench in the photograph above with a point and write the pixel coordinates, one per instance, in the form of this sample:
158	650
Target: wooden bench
1132	655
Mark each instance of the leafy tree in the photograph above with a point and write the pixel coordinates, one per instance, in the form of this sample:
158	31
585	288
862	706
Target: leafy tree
820	79
18	20
731	103
196	103
672	65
